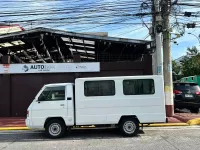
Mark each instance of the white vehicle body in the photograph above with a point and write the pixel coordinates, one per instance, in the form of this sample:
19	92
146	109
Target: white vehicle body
77	108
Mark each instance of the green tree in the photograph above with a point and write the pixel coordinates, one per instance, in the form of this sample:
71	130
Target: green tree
192	51
176	68
191	62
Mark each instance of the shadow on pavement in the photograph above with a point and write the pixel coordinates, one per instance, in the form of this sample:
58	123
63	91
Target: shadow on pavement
28	135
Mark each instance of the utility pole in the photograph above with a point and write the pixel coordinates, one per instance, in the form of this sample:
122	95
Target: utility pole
157	37
152	32
161	38
166	5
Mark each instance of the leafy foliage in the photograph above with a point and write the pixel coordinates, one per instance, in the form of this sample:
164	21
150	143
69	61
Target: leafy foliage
190	65
176	68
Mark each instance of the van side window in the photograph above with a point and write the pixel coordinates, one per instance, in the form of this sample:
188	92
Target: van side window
99	88
138	87
52	94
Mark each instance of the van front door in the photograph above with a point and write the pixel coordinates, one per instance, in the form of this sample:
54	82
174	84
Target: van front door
50	103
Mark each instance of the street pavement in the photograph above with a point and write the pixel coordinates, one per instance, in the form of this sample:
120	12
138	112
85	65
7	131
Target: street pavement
157	138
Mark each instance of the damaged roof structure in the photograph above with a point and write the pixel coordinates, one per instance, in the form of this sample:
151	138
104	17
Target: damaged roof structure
43	45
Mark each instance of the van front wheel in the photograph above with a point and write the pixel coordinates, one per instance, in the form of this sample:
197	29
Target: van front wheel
129	127
55	129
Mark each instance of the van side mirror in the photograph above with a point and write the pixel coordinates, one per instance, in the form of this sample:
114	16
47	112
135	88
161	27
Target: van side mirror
40	98
36	100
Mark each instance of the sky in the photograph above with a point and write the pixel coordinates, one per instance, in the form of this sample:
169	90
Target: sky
130	27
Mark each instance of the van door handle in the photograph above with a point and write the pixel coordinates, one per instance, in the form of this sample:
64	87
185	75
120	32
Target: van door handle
62	104
69	98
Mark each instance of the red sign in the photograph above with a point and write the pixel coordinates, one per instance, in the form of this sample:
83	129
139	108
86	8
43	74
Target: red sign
6	68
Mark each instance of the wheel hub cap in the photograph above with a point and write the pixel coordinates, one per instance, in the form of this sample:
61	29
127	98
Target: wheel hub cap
55	129
129	127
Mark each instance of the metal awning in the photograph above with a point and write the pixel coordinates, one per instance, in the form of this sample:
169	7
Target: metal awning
43	45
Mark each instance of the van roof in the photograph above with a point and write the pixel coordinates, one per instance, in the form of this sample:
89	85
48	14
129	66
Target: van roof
122	77
58	84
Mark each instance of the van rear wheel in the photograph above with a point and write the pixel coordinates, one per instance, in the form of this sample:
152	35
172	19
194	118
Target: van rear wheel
129	127
55	129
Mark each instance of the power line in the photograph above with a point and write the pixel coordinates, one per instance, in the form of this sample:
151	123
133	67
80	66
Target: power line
129	31
79	17
80	12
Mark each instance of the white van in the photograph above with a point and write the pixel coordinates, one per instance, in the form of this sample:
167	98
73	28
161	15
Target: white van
125	102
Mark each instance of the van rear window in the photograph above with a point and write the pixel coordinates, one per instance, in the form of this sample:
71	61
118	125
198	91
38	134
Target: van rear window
99	88
138	87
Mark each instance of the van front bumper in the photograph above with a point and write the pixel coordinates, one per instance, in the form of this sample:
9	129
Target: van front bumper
28	123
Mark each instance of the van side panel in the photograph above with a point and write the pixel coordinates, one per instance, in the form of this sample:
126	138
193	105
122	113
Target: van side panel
109	109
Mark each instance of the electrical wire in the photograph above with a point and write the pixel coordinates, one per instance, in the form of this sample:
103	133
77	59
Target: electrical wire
93	14
123	33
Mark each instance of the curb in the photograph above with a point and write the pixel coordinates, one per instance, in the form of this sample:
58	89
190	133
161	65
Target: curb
195	121
13	128
165	125
87	127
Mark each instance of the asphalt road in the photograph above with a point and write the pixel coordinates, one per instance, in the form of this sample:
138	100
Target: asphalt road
183	138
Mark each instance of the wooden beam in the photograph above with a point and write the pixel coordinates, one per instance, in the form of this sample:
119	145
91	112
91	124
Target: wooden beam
45	48
58	47
29	57
39	56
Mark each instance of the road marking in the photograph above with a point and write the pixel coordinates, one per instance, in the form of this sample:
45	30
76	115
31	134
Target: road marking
173	128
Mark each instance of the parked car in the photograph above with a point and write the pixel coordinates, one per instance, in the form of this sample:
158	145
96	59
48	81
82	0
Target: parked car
187	95
124	102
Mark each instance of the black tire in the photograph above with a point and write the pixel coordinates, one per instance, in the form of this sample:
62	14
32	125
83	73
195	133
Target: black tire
194	110
129	127
55	129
